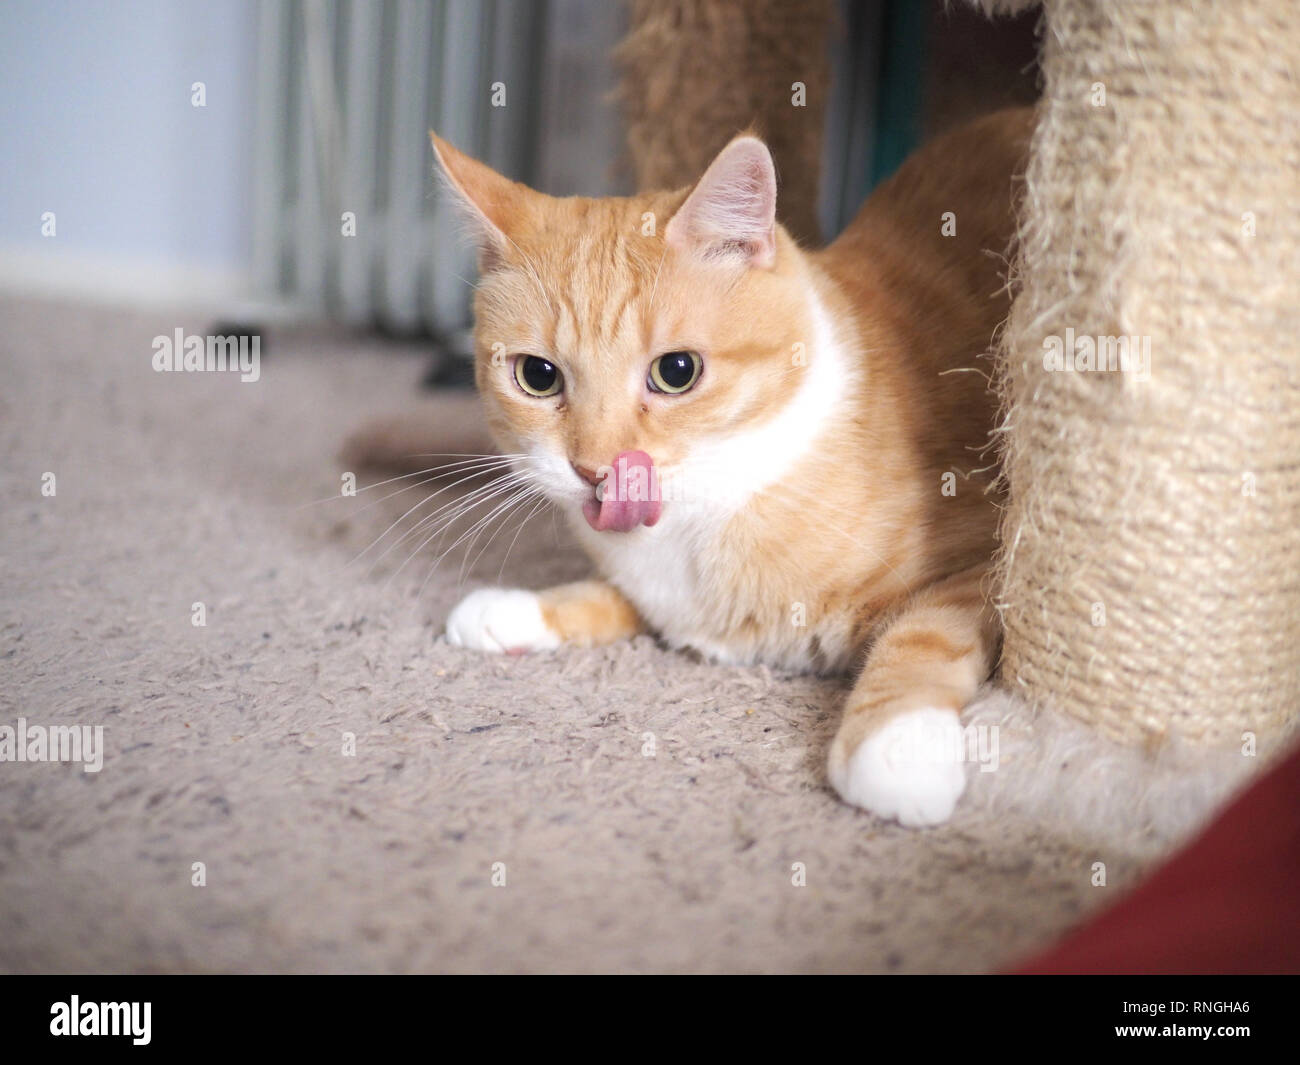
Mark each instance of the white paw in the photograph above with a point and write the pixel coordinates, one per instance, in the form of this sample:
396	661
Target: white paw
502	620
910	770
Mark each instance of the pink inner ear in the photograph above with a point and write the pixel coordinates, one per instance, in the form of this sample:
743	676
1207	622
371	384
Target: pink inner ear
733	207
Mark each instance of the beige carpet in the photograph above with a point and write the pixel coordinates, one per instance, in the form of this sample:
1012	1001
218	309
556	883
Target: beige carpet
224	742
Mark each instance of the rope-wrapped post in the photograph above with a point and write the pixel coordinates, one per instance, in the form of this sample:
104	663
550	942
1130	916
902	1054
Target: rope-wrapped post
1150	569
694	73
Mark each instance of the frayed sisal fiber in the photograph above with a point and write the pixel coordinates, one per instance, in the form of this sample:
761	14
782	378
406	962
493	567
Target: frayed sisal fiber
1150	574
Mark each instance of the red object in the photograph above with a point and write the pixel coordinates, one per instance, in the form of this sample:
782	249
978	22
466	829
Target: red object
1229	902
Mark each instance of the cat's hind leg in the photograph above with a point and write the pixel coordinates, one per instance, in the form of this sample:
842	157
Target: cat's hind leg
512	621
900	750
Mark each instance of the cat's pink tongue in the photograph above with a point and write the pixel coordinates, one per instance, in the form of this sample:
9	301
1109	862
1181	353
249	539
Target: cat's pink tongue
631	497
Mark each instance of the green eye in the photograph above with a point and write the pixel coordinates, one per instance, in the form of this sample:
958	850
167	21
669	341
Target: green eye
675	372
537	376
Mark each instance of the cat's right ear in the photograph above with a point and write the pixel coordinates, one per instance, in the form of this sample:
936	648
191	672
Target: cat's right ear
490	204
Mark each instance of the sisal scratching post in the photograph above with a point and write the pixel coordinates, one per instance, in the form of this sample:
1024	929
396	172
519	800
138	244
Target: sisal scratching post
694	73
1150	576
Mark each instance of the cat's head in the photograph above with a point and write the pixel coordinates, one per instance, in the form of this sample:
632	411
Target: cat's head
658	344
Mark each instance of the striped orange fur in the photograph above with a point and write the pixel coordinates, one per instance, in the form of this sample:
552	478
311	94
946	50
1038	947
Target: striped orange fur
828	492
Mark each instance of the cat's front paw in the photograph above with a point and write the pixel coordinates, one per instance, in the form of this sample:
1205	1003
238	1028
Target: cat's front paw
502	620
909	770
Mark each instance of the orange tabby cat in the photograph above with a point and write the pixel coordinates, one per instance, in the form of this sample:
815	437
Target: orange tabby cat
771	454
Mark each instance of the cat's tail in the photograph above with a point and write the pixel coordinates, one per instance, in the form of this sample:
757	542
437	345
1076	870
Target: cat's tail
432	433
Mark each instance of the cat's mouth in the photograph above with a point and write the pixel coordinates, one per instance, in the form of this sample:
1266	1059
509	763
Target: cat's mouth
627	495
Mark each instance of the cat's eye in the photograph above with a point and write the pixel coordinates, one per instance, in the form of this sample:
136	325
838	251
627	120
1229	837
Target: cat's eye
538	376
675	372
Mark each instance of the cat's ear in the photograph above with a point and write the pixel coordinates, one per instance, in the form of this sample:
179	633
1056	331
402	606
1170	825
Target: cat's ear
732	209
491	205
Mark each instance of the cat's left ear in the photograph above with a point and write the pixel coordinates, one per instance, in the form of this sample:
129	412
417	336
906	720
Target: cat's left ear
731	212
492	204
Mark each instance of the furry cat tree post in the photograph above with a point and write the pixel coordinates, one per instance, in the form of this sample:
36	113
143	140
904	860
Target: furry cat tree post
1151	559
697	72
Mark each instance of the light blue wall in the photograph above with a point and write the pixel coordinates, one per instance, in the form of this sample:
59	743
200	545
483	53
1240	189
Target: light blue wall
96	125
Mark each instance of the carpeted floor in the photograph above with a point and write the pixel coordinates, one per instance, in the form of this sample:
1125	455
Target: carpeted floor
224	743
